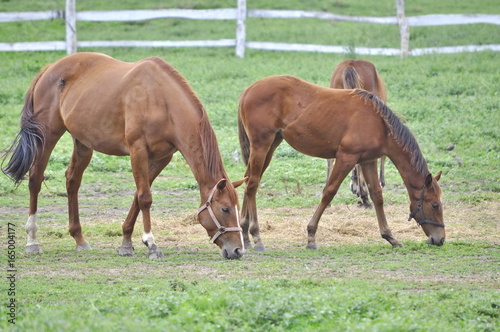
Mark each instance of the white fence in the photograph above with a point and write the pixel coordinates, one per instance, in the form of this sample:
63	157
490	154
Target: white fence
240	43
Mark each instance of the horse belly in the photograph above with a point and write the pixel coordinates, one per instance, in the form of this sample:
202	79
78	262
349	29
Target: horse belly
101	130
312	142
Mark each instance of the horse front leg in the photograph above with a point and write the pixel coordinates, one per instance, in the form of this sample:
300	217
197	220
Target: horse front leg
340	170
370	173
127	248
79	161
145	171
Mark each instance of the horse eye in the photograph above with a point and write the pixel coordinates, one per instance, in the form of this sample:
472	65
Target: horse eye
435	206
225	210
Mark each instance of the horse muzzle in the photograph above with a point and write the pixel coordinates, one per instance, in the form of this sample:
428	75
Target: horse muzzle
232	253
435	241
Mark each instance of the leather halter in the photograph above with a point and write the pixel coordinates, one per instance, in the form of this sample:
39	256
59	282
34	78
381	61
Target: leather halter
220	229
419	208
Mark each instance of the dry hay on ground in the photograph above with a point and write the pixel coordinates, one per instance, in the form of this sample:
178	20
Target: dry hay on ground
283	227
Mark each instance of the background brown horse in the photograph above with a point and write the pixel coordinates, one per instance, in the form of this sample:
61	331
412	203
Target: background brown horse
325	123
144	109
359	74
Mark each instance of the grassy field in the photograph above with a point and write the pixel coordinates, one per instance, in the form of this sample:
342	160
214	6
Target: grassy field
354	281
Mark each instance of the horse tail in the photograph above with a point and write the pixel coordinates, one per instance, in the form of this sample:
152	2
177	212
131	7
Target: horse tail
244	141
382	92
351	79
30	138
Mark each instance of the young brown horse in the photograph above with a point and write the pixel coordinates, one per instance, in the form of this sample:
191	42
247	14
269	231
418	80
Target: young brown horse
145	110
359	74
323	122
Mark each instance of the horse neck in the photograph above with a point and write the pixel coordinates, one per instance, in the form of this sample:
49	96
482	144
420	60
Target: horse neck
413	179
202	154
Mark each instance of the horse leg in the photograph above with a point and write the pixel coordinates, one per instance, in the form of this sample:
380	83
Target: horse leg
370	172
363	200
36	178
141	168
341	169
329	165
127	249
382	171
79	161
257	165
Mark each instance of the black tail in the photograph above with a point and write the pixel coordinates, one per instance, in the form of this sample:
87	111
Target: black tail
27	142
244	141
351	79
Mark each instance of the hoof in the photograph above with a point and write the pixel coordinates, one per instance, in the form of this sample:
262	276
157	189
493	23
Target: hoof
126	251
312	246
83	246
259	247
155	254
397	245
364	205
248	245
34	249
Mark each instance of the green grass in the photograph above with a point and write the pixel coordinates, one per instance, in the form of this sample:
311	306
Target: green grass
345	288
444	99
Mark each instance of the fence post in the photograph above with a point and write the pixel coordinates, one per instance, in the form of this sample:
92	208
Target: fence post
240	28
70	18
404	28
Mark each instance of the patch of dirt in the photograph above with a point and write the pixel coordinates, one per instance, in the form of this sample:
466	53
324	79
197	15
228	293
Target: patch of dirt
282	227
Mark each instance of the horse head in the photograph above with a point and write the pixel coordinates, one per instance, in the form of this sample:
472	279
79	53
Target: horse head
428	210
220	217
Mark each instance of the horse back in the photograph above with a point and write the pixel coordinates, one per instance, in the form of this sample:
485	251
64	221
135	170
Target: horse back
313	119
358	74
109	104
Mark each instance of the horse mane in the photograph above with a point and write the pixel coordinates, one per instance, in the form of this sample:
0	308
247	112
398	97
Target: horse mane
400	133
211	152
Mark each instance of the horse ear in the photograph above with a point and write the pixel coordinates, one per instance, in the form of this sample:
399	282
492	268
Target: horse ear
236	184
428	180
222	184
438	176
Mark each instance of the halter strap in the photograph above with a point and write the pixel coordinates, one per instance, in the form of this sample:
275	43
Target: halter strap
419	209
208	205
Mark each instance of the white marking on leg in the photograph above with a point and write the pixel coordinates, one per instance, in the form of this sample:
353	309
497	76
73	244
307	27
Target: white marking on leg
31	229
148	239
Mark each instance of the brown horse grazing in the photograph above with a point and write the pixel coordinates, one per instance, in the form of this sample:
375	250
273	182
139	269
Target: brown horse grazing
359	74
325	123
145	110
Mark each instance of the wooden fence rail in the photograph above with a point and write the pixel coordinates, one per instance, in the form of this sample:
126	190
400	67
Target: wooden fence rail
240	14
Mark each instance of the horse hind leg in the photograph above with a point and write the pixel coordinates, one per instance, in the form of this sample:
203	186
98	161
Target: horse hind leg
260	158
358	187
363	200
382	172
79	161
36	177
